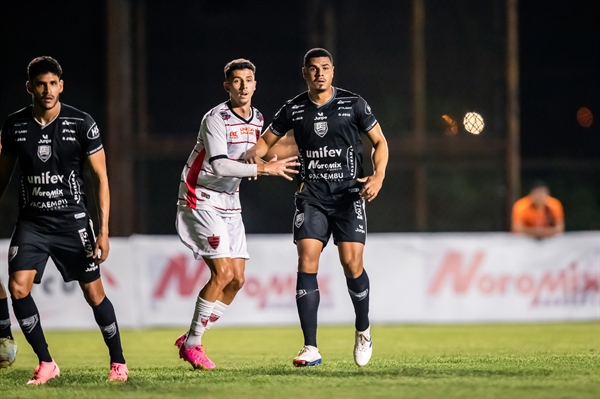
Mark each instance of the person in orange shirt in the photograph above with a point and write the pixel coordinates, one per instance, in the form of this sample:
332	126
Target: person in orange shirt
538	215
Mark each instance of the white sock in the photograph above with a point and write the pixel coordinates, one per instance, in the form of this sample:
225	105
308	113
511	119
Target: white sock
216	314
199	322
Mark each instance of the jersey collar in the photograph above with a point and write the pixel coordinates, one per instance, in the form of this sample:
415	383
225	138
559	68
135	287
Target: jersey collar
49	123
238	116
325	103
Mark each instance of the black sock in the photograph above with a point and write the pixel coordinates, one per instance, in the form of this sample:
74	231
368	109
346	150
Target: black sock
105	316
359	288
4	319
29	319
307	300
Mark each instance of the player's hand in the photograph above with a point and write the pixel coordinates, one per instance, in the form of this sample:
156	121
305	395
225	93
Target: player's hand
371	188
102	248
276	167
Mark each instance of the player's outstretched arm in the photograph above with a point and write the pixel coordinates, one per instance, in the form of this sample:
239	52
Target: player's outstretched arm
7	167
98	165
380	157
267	140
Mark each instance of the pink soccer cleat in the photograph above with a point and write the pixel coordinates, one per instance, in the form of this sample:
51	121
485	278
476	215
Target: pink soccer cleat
196	356
43	372
118	372
181	340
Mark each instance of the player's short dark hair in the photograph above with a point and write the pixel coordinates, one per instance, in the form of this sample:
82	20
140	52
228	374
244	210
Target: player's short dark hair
41	65
240	63
315	53
539	184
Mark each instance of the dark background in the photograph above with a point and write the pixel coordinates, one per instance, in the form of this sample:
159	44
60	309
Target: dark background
188	43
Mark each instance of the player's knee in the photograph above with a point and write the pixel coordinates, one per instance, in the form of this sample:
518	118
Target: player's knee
224	276
93	299
237	282
18	291
353	266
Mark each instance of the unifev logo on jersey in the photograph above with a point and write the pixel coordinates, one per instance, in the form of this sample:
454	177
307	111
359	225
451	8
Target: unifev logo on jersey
321	128
12	252
45	178
93	132
44	152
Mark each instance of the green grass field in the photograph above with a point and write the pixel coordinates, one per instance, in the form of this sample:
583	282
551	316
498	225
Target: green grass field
558	360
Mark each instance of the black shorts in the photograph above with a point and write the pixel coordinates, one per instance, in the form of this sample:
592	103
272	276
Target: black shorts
347	221
72	251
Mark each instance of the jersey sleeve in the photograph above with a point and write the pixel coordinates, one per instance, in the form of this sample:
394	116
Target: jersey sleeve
90	136
282	122
214	136
6	141
365	118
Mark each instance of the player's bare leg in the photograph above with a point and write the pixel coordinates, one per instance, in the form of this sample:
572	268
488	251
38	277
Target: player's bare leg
357	280
105	316
8	346
307	299
230	291
190	346
26	312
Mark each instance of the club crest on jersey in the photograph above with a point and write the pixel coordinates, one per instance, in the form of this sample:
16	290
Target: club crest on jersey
299	220
225	115
214	241
321	128
367	109
12	252
44	152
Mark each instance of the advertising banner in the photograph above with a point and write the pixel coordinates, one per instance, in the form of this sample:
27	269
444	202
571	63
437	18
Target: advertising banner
439	278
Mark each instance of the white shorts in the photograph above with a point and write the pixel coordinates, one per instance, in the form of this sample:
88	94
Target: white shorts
210	234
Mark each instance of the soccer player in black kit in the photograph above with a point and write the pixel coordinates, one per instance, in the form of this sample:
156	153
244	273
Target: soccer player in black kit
327	123
51	141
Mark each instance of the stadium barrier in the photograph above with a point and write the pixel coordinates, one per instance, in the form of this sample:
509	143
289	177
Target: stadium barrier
445	277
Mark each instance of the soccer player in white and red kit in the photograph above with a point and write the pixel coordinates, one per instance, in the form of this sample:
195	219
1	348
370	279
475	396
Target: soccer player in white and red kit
209	219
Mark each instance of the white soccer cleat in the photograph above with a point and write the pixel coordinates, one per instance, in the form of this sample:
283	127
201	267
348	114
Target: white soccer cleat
363	347
308	356
8	352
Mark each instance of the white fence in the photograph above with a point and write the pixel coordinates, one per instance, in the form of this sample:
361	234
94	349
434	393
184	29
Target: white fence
448	277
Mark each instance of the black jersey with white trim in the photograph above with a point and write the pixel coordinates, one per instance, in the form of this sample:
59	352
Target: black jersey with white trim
329	142
51	159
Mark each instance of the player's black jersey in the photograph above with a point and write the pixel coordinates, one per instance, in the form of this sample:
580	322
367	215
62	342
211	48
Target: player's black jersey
51	159
329	141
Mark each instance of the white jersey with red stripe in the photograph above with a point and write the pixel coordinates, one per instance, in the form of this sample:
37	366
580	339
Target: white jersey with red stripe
223	134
